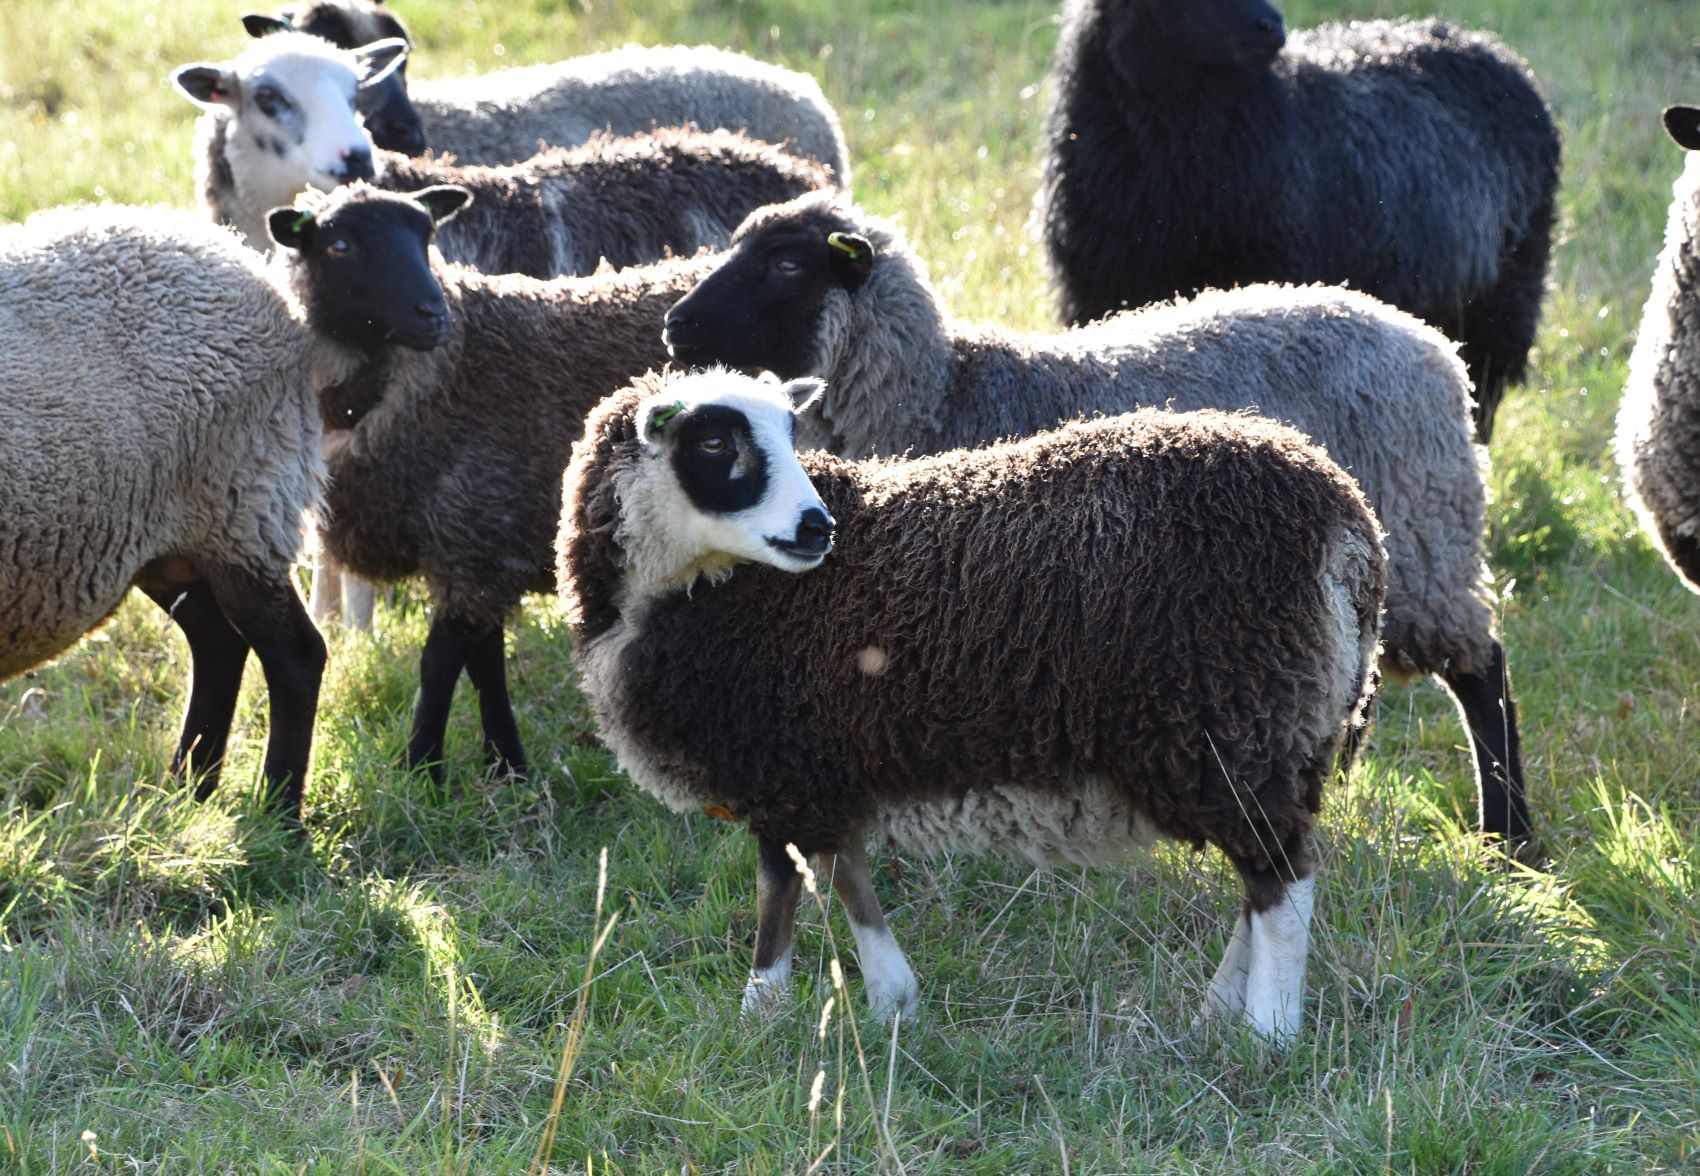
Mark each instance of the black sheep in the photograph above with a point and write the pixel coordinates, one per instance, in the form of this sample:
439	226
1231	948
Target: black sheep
1195	145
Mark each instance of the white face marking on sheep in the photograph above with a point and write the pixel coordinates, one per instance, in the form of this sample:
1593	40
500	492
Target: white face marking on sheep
719	483
291	100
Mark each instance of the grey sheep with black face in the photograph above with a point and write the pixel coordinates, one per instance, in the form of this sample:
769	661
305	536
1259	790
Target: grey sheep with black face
160	429
816	287
1658	423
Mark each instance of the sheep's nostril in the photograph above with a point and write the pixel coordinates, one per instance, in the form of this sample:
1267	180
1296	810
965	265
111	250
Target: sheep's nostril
427	310
814	530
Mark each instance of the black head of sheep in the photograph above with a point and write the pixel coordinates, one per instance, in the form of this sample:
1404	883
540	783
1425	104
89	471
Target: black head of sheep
365	253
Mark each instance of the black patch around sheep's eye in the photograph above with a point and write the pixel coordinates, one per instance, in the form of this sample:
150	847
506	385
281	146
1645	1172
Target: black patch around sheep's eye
270	102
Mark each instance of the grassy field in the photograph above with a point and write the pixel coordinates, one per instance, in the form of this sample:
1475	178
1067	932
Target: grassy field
185	989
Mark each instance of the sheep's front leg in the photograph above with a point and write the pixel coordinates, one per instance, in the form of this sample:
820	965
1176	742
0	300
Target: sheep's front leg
778	886
885	970
324	602
1279	945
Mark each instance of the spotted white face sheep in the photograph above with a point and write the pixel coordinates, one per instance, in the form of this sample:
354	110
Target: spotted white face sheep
389	115
1157	624
817	287
283	114
1658	423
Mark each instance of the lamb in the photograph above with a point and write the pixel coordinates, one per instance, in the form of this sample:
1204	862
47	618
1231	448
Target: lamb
1058	648
1185	148
160	429
446	463
624	201
818	288
501	117
1658	423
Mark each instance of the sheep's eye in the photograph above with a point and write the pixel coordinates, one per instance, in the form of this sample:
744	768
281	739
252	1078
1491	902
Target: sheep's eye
712	445
338	247
789	266
270	102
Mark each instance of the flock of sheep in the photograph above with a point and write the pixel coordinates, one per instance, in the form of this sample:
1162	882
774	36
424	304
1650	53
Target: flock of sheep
834	561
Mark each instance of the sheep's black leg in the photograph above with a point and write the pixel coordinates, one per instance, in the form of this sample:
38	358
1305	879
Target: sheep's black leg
778	886
885	971
269	615
486	665
217	653
447	647
1491	716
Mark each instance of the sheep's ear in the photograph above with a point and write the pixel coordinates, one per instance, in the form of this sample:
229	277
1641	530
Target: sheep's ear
804	393
291	227
1683	125
207	85
443	201
852	258
656	421
259	25
380	59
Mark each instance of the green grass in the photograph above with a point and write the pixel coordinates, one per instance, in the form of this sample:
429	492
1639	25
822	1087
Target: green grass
184	989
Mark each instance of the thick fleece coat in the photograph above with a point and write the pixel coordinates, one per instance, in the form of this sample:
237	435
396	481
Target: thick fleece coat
158	428
1416	161
503	116
619	201
1658	423
1051	648
1382	392
626	201
447	463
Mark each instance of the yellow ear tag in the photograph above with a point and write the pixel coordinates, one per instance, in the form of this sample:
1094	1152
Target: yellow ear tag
842	243
719	812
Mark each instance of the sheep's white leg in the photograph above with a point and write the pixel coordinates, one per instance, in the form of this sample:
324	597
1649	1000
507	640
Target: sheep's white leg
778	886
885	970
1275	981
358	598
325	602
1227	988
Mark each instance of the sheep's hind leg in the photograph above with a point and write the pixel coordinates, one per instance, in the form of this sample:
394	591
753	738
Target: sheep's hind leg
778	886
487	666
1490	714
217	653
269	615
885	970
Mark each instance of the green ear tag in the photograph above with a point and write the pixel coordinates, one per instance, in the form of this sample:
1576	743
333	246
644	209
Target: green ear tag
842	243
659	418
302	221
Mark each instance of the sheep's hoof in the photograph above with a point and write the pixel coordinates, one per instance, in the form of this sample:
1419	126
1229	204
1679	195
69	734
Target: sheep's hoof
763	998
888	1001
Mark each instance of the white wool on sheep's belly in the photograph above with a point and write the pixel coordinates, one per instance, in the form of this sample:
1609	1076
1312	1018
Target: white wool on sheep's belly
1093	824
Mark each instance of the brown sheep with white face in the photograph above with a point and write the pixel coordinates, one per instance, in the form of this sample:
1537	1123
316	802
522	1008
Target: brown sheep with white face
1149	625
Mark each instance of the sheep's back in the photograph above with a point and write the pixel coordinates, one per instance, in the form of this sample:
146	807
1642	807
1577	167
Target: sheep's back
1383	393
502	117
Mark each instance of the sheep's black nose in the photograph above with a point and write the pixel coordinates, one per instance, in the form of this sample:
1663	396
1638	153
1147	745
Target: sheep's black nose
357	165
409	140
814	532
